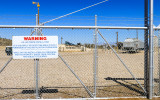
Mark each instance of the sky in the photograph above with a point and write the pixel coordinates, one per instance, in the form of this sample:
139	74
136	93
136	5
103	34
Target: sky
60	7
110	13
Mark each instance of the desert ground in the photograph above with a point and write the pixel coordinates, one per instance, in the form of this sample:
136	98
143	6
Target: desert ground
113	79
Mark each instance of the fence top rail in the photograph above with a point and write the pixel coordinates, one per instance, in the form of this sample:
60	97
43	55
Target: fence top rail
72	27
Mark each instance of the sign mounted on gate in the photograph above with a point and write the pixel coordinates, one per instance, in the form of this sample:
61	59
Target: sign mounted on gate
35	47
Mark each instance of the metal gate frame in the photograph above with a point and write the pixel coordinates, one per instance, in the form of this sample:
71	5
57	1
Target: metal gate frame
149	75
96	31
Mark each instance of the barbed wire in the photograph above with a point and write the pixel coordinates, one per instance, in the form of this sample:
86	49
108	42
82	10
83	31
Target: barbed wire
42	17
78	16
92	17
13	19
122	17
156	15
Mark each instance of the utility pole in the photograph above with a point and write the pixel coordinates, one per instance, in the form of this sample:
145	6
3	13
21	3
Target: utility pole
137	34
37	60
117	41
37	3
61	39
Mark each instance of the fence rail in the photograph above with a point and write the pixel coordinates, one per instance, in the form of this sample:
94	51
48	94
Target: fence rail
72	27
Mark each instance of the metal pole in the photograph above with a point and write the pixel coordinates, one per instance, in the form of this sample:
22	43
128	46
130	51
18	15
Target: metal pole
61	39
6	64
37	61
146	46
37	79
117	41
95	58
38	15
137	34
151	34
37	24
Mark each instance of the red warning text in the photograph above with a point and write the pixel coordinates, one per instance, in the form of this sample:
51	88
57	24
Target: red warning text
35	38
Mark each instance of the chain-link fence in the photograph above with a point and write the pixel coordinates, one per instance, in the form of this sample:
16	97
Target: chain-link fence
156	63
105	62
120	70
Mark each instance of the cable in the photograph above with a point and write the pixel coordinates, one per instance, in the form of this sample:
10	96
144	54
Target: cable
73	12
156	16
122	17
120	20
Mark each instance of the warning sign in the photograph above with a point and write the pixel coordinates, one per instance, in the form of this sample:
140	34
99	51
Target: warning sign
32	47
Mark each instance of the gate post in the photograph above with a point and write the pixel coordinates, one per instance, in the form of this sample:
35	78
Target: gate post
146	70
37	62
95	58
151	34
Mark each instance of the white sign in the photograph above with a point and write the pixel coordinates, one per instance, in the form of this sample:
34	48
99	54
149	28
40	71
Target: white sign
32	47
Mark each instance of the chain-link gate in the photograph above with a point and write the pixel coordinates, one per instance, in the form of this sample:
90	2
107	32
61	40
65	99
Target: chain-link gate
91	63
156	63
123	68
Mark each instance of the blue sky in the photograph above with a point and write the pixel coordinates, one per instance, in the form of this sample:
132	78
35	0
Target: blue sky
110	13
60	7
53	8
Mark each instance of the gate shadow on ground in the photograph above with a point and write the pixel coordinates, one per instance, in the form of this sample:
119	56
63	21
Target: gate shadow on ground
124	82
42	90
53	90
27	91
128	85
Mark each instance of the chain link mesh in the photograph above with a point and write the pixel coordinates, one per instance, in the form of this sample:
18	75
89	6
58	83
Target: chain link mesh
77	49
114	80
156	63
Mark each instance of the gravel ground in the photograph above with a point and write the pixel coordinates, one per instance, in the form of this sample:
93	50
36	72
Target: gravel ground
113	80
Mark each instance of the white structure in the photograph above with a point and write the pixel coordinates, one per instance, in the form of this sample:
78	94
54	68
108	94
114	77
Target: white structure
68	48
133	44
